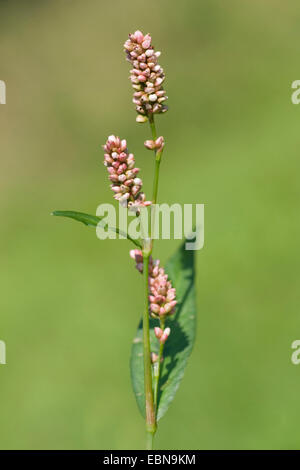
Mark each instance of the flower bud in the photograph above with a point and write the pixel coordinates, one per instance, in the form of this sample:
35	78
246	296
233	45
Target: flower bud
152	98
141	118
158	332
165	335
158	144
149	144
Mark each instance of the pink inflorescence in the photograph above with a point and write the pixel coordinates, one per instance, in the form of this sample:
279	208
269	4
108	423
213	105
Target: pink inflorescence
146	76
123	174
162	294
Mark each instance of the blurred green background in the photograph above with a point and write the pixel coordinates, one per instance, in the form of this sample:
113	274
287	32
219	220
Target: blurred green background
70	303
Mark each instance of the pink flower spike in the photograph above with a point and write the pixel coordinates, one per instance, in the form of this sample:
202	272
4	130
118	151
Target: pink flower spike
121	168
161	293
146	74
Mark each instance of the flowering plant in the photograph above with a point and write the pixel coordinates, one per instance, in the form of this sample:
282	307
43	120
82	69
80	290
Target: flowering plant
165	335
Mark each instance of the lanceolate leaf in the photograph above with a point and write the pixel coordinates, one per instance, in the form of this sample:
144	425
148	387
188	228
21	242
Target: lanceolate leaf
93	221
86	219
181	271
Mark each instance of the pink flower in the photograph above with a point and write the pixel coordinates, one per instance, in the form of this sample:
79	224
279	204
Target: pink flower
162	335
161	293
123	174
146	76
157	144
165	335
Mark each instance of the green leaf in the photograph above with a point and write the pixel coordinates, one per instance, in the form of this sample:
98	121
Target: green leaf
86	219
93	221
181	271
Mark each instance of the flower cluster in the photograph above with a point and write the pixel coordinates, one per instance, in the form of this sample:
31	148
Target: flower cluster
123	174
162	294
146	76
157	144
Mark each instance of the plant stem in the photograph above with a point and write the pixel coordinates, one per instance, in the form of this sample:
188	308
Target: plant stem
147	250
150	439
153	128
157	368
150	412
158	155
156	176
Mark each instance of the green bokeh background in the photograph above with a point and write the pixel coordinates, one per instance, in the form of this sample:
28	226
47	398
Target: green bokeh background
70	303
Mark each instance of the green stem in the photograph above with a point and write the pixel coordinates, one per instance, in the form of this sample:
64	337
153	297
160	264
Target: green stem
150	412
157	367
158	155
147	250
156	176
153	128
150	439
